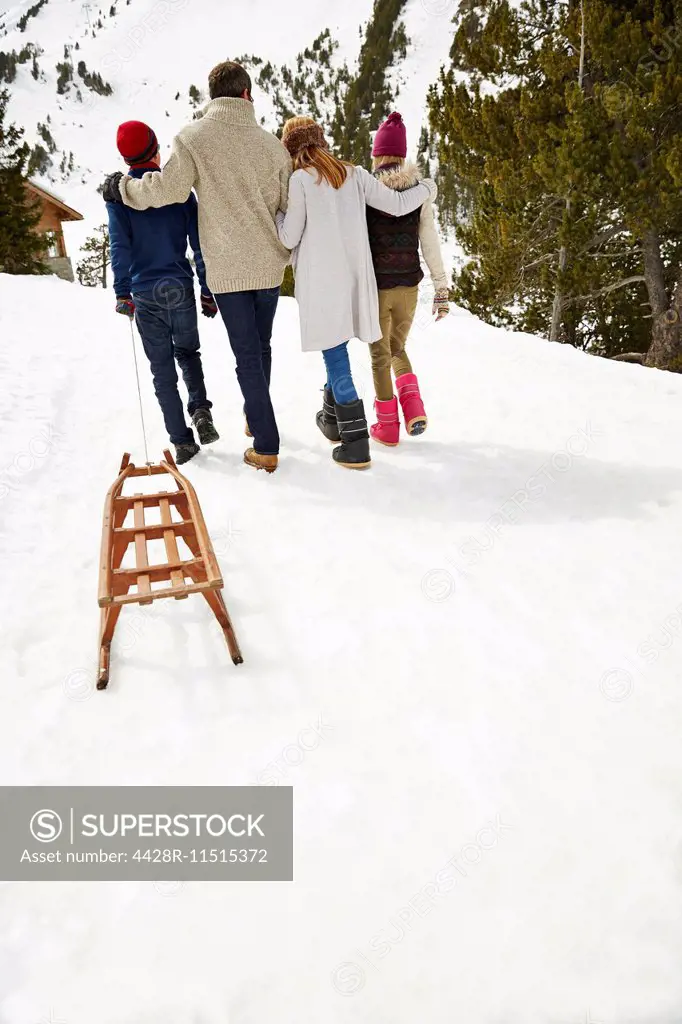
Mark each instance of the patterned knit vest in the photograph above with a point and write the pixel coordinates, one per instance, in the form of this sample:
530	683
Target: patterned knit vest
394	242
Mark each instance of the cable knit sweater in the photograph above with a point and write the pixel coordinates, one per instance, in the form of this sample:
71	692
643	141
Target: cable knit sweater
240	173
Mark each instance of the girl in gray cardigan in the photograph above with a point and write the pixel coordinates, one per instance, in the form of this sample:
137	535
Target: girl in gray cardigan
336	288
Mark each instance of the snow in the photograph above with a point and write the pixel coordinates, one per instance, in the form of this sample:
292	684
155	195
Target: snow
428	24
428	27
484	629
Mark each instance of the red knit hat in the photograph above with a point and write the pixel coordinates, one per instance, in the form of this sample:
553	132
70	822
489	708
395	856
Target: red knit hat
136	142
391	138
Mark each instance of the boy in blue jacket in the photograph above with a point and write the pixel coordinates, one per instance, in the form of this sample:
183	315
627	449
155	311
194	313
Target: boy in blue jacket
154	284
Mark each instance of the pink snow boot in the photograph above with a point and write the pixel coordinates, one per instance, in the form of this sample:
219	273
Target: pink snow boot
387	430
411	402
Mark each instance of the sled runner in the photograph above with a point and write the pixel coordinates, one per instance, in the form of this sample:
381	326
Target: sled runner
199	574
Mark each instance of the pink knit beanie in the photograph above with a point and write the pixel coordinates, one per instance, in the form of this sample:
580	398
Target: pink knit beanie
391	138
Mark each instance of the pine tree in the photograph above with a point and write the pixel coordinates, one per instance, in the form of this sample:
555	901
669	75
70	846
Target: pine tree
561	162
489	185
424	152
637	81
313	87
39	162
93	80
46	136
10	61
92	269
8	66
64	77
30	13
21	248
367	98
195	96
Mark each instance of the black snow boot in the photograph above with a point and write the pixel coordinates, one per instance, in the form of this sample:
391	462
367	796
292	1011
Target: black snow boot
203	421
185	452
354	450
326	417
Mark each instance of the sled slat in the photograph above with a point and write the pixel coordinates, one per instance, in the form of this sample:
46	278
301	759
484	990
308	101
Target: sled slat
172	553
153	531
149	500
108	523
202	537
147	471
158	573
143	581
192	588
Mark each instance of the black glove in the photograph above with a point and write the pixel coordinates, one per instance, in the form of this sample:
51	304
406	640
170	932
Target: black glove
209	306
111	191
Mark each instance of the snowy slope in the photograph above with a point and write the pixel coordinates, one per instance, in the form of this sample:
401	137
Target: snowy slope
484	628
153	49
148	52
429	29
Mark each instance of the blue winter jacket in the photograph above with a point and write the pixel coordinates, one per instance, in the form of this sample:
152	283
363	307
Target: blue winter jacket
148	246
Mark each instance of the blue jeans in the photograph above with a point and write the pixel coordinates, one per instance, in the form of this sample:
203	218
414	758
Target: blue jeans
339	377
167	321
248	317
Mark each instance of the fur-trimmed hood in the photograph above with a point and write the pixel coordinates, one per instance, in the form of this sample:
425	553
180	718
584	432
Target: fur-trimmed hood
399	178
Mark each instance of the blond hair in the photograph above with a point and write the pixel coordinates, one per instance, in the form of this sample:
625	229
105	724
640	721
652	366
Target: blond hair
383	161
314	156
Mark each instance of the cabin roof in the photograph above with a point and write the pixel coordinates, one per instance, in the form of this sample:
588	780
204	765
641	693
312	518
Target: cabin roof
67	213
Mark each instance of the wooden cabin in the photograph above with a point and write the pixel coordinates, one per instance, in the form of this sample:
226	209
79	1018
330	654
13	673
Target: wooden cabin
54	213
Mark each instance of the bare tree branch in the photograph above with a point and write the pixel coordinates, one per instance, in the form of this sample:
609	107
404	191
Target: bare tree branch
606	289
604	236
630	357
548	258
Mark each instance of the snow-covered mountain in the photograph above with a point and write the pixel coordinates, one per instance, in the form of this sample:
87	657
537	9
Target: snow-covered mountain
150	52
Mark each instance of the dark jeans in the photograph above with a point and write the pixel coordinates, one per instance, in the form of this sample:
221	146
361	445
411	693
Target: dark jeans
248	317
167	321
339	377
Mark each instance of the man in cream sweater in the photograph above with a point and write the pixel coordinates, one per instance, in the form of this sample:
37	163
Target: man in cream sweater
241	176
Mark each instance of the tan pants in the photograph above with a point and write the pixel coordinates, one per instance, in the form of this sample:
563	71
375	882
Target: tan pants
397	307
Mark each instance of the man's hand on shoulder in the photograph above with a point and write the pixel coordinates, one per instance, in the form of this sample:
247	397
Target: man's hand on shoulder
111	189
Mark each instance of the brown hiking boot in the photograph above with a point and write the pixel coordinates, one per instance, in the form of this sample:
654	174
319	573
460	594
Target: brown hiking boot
258	461
247	429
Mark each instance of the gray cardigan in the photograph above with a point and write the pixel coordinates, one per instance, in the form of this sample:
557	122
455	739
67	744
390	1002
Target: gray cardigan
335	285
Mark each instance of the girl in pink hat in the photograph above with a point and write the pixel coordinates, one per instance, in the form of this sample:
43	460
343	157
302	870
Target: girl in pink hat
395	243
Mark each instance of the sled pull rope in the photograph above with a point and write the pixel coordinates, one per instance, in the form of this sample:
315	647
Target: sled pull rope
139	394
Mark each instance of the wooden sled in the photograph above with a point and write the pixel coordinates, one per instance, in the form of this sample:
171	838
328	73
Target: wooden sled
199	574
